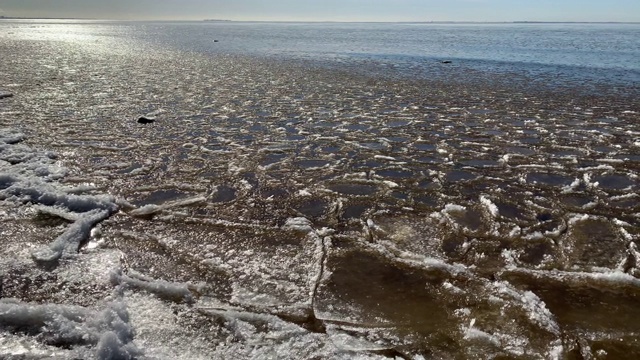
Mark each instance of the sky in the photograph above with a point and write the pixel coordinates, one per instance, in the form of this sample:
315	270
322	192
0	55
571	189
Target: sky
330	10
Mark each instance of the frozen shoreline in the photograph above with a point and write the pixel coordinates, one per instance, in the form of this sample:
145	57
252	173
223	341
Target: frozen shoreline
280	210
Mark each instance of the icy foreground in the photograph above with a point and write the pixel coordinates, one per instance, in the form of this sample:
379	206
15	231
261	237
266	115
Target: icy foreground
281	210
104	330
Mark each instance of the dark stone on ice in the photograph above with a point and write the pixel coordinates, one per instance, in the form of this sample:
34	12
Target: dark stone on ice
215	40
5	95
446	61
146	120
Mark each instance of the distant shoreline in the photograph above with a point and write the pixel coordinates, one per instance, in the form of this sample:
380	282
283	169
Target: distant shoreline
326	21
45	18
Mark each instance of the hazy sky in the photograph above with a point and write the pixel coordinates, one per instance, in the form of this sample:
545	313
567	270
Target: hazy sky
333	10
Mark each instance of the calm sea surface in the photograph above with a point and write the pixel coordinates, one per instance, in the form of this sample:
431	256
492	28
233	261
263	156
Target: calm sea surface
560	53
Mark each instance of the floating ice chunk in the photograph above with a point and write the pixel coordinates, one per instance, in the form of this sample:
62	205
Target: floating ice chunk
608	278
79	189
597	168
325	231
241	295
58	212
389	250
539	313
625	234
615	277
146	210
473	333
176	292
578	217
156	113
390	184
14	313
561	229
571	187
510	258
449	208
303	192
536	235
456	290
624	197
535	308
349	343
300	224
590	205
556	350
152	209
490	206
372	225
69	242
516	231
8	136
383	157
111	347
611	161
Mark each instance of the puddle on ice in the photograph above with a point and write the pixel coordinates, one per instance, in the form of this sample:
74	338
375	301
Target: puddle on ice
223	193
425	147
395	173
354	211
480	163
584	304
386	295
459	175
353	189
313	208
549	179
311	163
615	182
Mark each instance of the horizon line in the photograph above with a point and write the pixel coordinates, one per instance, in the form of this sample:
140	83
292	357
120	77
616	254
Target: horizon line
4	17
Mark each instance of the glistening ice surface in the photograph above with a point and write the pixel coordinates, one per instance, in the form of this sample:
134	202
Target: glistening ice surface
301	204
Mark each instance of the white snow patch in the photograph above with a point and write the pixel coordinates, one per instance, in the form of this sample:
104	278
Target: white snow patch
577	218
303	193
449	208
108	330
490	206
383	157
29	178
151	209
177	292
69	242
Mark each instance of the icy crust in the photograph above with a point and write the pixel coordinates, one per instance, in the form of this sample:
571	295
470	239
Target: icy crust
107	331
29	176
232	333
69	242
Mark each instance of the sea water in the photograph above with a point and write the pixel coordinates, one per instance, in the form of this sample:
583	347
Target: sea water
311	190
